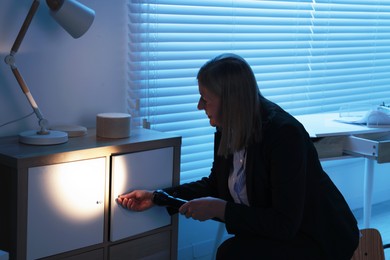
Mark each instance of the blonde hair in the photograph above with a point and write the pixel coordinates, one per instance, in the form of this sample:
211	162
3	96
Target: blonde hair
231	78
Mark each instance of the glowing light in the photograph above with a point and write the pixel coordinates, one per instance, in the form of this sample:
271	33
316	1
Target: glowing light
75	190
120	184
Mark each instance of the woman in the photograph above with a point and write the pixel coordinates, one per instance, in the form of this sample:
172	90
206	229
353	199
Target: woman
266	182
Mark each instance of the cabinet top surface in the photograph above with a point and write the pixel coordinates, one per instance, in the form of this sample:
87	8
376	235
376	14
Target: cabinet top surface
10	146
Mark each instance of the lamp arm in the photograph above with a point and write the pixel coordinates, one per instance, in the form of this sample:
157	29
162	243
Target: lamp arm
43	122
10	60
25	26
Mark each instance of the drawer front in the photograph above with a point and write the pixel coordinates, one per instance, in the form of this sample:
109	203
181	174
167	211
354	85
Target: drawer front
376	146
92	255
156	246
149	170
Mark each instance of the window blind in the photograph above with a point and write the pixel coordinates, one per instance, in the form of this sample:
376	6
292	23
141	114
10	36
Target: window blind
309	56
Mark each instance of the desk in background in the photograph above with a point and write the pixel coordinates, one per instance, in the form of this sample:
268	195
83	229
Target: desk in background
334	140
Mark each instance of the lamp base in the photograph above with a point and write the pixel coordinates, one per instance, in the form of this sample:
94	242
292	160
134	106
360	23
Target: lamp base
34	138
71	130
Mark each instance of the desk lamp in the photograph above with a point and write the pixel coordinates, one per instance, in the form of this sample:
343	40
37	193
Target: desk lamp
76	19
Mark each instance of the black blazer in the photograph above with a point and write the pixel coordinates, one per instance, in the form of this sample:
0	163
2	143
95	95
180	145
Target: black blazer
288	191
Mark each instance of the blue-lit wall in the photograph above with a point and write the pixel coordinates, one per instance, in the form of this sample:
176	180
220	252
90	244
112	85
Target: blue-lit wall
71	79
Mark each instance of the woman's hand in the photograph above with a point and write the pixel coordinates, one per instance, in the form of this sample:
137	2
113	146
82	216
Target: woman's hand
137	200
204	208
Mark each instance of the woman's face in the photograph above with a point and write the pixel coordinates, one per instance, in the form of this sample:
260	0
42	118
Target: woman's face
211	104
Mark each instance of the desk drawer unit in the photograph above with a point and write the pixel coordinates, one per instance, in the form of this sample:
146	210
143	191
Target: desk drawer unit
376	146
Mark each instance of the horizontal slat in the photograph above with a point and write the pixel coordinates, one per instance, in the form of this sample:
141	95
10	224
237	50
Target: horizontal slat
308	56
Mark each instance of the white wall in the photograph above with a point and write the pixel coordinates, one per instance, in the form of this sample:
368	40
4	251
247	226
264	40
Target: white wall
348	175
71	79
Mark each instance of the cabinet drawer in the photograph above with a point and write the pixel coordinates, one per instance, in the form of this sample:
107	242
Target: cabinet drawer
91	255
156	246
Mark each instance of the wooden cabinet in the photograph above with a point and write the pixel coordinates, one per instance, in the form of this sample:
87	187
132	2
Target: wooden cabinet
59	201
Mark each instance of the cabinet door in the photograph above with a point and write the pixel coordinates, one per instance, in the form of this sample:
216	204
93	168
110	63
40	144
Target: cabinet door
149	170
65	207
155	246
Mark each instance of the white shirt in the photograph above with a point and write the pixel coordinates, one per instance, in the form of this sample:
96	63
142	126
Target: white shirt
237	178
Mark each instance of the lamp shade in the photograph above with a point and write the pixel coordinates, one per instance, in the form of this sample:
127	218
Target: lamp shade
74	17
